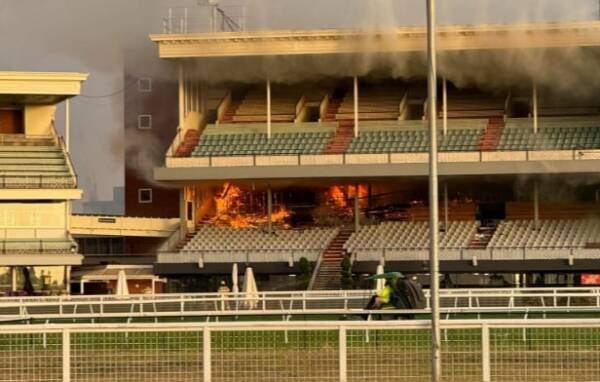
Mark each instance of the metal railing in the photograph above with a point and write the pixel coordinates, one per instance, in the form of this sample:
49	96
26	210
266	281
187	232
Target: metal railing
287	304
253	160
468	254
472	350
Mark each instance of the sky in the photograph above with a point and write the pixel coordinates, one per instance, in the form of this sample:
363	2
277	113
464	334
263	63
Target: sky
93	35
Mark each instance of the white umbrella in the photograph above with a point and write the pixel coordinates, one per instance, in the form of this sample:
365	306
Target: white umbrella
122	289
380	282
234	279
250	289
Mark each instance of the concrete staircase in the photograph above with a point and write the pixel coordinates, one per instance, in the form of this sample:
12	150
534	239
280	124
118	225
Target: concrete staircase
232	109
482	237
491	136
340	142
330	272
190	141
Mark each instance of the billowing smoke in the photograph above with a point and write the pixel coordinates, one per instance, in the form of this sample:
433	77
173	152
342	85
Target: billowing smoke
95	36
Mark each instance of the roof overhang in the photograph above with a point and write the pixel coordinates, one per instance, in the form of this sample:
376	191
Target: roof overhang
39	87
405	39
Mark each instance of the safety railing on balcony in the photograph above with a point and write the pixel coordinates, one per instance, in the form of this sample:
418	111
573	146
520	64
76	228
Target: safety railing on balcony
254	160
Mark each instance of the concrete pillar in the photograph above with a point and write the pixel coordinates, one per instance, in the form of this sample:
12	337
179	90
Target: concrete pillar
67	124
81	287
67	278
268	108
355	106
13	279
445	107
535	109
182	214
446	206
536	205
181	94
269	210
356	209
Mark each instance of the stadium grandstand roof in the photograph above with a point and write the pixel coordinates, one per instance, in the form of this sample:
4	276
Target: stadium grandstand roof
39	87
405	39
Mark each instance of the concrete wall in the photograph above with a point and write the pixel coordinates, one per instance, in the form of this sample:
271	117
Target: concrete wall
38	119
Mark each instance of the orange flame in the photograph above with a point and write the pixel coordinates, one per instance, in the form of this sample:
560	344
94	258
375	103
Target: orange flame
230	210
343	201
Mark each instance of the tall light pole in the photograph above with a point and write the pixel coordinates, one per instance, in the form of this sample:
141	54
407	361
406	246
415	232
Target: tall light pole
436	364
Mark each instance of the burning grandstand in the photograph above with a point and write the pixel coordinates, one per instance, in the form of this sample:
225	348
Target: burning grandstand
283	159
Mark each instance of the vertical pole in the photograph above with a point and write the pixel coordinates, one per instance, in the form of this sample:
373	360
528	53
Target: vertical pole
445	106
181	94
268	108
170	21
67	279
355	106
356	209
182	214
269	210
206	356
536	205
67	124
343	355
446	207
485	354
13	279
433	194
66	355
535	109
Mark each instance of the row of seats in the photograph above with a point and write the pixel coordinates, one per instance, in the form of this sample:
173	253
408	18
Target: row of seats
212	238
395	137
410	235
412	141
567	233
33	163
553	134
312	141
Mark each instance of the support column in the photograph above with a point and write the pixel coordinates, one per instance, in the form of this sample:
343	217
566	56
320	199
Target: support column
445	106
13	279
268	108
269	210
446	206
436	343
535	109
67	124
536	205
67	279
355	106
356	209
182	214
181	94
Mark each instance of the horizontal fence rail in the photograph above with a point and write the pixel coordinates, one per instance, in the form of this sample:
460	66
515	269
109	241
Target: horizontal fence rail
522	301
255	160
472	350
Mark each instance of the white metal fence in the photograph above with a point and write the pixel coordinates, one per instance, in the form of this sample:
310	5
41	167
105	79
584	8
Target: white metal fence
508	300
488	350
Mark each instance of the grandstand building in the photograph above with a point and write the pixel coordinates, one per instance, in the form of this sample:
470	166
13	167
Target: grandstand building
273	169
37	183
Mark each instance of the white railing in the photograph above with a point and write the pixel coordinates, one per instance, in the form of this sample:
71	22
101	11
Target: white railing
570	254
383	158
335	303
472	350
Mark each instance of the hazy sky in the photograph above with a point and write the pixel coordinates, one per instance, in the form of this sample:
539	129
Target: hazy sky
91	35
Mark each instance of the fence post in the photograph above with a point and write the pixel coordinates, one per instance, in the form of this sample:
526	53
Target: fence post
66	355
343	354
206	356
485	353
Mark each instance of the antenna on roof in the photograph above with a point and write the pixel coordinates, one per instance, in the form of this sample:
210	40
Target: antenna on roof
227	23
